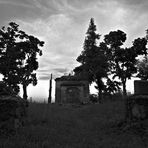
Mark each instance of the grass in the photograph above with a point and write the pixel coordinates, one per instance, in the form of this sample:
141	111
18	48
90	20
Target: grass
72	126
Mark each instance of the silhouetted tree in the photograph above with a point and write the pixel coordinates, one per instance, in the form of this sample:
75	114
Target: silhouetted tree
139	46
112	86
123	60
92	59
18	57
142	66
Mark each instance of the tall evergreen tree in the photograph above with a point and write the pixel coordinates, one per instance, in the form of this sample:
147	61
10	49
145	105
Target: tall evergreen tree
92	58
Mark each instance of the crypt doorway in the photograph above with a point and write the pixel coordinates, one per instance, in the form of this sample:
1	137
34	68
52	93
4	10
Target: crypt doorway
72	95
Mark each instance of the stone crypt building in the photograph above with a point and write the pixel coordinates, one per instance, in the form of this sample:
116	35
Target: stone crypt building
71	89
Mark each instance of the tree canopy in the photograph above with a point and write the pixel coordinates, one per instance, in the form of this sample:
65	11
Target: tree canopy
110	59
18	57
142	66
92	58
122	60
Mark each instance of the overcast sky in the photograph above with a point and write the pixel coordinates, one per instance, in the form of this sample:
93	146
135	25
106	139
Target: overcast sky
62	24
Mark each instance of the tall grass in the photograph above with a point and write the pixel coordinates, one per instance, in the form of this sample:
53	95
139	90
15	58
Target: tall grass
72	126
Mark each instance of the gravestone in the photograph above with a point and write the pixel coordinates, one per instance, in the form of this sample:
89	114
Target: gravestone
140	87
138	103
71	89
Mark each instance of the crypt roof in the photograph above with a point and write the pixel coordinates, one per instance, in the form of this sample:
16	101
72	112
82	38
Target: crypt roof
71	78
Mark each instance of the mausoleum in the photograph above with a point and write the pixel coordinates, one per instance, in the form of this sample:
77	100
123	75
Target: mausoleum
71	89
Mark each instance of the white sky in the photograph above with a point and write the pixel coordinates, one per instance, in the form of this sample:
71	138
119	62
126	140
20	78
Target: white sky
62	24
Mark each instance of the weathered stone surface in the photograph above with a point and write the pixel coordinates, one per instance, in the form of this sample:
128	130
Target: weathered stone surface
138	103
71	89
12	112
138	106
141	87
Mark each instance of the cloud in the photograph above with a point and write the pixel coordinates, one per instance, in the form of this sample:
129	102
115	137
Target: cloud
61	70
26	10
133	2
16	3
64	30
63	42
63	24
43	77
57	72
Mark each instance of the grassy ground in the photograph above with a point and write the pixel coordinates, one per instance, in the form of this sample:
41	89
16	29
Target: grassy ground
67	126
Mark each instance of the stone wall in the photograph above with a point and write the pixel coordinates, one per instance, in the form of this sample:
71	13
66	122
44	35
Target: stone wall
13	111
138	103
138	107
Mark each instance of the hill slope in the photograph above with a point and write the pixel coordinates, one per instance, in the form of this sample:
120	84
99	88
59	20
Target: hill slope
72	126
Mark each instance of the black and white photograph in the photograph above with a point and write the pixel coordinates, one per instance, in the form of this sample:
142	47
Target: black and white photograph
73	74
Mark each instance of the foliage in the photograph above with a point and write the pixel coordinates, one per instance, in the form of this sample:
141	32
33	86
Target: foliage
142	66
139	46
122	61
112	86
92	59
18	57
93	98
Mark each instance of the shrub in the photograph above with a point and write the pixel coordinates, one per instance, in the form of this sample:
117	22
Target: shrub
93	98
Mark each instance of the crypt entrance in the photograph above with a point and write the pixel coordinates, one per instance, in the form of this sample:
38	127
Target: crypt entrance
72	95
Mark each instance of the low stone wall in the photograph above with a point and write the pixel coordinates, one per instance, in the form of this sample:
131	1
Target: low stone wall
138	107
13	111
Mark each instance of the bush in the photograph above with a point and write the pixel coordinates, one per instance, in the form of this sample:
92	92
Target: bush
93	98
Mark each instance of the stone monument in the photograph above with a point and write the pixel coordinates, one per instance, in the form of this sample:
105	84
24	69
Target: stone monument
138	103
141	87
71	89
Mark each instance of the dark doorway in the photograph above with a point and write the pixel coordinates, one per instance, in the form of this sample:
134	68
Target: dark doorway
72	95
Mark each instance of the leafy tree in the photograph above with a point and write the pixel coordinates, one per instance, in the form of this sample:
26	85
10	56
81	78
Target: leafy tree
142	66
18	57
139	46
92	59
123	60
112	86
8	62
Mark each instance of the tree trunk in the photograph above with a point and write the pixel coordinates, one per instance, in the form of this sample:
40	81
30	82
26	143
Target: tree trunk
50	90
127	111
25	92
124	89
100	86
100	95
